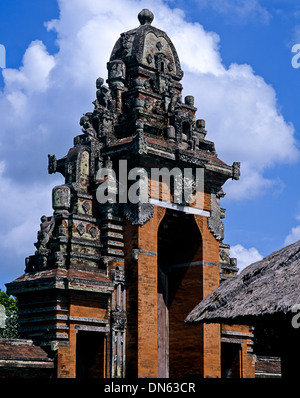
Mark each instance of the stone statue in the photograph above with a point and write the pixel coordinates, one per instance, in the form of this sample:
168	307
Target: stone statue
44	234
87	127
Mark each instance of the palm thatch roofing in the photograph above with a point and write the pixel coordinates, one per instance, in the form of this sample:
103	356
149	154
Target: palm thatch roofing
268	288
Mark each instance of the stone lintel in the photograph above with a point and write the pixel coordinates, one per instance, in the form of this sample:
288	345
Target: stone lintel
92	328
177	207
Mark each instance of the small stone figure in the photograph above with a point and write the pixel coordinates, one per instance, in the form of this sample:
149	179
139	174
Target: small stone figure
87	127
103	94
44	234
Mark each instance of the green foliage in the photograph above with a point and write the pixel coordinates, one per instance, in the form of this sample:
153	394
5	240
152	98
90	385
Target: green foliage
11	310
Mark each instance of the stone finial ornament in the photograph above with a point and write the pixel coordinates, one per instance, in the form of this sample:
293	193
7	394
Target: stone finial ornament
145	17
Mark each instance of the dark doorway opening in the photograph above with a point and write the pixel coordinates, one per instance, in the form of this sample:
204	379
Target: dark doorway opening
179	289
230	360
90	355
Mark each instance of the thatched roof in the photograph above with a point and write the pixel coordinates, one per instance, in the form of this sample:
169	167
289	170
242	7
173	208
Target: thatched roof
267	288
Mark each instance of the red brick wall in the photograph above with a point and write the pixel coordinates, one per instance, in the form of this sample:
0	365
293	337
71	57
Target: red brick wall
193	349
211	342
142	297
66	357
84	305
246	362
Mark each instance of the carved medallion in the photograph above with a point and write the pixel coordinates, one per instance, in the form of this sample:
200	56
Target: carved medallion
80	228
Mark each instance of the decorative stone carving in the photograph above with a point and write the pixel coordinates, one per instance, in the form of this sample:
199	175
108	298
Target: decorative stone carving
62	231
147	84
233	262
191	159
149	58
159	45
139	104
87	127
224	256
103	262
171	133
93	231
139	144
184	125
44	234
138	213
126	43
116	70
145	17
118	319
61	198
86	206
189	100
170	67
118	275
104	96
58	259
52	164
80	228
175	100
236	170
42	262
214	223
147	104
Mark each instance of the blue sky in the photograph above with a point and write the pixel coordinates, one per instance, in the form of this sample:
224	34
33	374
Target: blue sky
237	59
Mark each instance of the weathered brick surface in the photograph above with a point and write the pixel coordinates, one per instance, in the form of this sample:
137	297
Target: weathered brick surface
246	362
192	349
82	306
66	357
88	306
142	298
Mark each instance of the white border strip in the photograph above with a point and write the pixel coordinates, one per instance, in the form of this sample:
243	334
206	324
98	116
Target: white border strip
174	206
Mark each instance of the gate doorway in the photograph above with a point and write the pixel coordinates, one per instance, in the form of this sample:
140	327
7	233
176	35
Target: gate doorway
230	360
179	290
90	354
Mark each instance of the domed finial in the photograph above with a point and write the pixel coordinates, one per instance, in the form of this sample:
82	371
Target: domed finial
145	17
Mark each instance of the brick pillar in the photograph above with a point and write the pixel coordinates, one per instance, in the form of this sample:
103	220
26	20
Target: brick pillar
147	295
211	335
141	270
66	359
247	362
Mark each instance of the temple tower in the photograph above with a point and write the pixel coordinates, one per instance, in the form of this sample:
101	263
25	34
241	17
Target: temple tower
127	252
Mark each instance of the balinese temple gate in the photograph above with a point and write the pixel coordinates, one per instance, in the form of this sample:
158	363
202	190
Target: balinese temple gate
110	284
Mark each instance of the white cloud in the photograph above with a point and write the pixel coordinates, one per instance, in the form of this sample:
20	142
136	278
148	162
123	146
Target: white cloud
241	110
33	76
242	116
21	207
293	236
244	256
